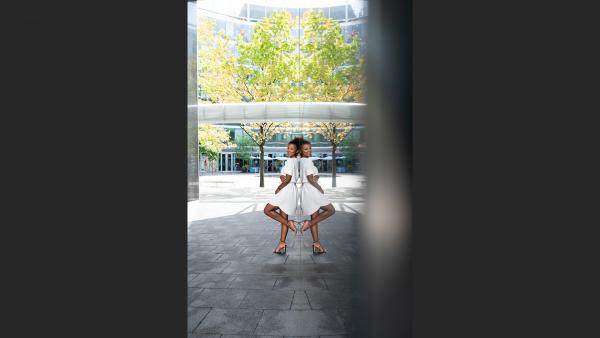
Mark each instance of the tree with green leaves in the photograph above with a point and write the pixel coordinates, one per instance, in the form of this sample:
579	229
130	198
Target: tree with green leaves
215	62
335	133
260	133
274	66
266	66
212	140
330	68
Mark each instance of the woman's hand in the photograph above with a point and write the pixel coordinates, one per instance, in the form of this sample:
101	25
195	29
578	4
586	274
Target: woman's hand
282	178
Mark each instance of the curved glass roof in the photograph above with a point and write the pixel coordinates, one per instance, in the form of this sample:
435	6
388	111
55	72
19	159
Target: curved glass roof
280	111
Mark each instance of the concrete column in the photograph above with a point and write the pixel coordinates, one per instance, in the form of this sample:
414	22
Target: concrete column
192	134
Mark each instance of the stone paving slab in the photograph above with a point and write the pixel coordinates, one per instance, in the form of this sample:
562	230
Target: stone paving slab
268	300
195	316
211	281
218	298
207	267
300	283
238	336
202	335
300	323
253	282
231	321
239	288
300	301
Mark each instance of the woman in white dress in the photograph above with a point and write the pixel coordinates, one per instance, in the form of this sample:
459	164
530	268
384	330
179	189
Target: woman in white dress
286	196
312	196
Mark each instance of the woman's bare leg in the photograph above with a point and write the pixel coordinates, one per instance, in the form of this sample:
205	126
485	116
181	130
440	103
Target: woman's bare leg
284	227
328	211
314	231
283	236
314	227
270	210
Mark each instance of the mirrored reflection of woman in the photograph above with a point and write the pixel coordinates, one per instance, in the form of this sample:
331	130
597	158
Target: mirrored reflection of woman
312	196
286	196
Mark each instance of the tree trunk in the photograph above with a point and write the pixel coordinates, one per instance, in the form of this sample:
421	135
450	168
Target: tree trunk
333	165
261	164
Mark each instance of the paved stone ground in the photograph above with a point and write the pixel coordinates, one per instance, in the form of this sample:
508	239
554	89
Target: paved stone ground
238	288
230	194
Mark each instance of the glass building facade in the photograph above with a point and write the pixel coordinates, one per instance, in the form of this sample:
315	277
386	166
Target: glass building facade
233	17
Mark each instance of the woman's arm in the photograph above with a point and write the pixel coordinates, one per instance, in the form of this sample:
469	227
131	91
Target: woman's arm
288	179
312	180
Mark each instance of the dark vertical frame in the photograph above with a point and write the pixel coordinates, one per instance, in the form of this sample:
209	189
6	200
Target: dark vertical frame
388	227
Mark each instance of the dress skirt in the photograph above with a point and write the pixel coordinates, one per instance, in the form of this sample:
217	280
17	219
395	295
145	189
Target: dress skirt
286	199
311	199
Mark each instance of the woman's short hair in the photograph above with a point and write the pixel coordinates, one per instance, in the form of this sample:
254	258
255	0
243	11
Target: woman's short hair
303	142
295	142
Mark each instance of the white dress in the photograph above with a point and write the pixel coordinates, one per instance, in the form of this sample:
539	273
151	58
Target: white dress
311	199
287	198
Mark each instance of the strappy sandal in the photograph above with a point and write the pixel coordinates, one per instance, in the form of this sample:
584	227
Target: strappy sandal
282	249
318	249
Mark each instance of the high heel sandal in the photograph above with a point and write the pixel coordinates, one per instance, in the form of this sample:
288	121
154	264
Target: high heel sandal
318	249
282	250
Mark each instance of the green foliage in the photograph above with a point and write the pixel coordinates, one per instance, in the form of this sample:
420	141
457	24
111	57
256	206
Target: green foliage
333	132
274	66
329	67
244	148
261	132
349	147
212	140
216	76
266	64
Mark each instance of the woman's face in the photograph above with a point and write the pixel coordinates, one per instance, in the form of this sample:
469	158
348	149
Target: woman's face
291	150
306	150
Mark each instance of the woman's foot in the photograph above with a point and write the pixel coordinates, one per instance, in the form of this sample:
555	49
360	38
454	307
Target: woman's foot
280	249
292	226
305	226
317	248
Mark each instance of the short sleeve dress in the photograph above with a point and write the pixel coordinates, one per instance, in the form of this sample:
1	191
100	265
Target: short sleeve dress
287	198
311	199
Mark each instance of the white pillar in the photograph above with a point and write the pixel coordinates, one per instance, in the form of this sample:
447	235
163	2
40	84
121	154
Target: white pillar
346	11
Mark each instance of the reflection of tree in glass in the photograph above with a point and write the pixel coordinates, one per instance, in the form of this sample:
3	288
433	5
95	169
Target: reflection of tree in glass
214	59
349	147
275	66
335	133
244	149
260	133
330	67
